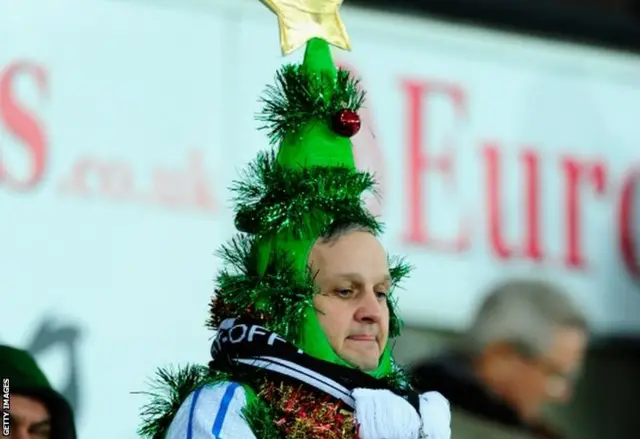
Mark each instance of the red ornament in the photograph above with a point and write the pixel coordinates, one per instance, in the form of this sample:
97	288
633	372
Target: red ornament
346	123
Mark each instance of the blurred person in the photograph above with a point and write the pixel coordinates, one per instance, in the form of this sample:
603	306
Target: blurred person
523	349
36	410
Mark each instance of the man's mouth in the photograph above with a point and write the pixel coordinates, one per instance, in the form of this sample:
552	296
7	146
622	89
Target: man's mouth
362	337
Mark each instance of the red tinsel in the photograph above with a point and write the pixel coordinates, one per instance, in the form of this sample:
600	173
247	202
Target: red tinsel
220	310
302	414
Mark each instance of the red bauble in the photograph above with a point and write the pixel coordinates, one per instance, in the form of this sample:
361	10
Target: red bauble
346	123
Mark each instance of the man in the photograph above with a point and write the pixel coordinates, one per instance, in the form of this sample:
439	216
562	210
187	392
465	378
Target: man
352	309
36	411
523	350
304	308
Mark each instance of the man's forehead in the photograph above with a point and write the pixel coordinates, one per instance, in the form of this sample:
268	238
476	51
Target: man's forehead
354	240
29	410
30	419
359	255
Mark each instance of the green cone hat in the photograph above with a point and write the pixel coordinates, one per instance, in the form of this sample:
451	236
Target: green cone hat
314	143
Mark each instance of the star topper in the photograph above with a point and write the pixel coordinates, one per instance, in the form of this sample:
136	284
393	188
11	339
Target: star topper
301	20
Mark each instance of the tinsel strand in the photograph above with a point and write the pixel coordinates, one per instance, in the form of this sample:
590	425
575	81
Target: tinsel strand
299	97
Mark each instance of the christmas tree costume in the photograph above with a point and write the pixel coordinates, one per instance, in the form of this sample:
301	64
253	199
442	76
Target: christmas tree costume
273	372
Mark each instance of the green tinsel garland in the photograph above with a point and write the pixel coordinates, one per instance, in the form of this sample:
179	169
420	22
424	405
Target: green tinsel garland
172	387
398	271
271	198
277	298
300	96
260	418
169	390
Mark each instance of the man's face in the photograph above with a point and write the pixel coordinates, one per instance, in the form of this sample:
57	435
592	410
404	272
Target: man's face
550	377
29	418
353	276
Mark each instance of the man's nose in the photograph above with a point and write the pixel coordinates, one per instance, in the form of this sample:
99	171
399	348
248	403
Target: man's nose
369	308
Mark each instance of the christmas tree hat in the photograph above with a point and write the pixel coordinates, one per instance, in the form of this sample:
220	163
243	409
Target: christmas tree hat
300	190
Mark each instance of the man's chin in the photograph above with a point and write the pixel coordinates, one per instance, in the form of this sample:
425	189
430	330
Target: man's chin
369	367
363	364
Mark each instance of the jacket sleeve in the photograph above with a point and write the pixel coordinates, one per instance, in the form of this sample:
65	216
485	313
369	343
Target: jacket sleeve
212	412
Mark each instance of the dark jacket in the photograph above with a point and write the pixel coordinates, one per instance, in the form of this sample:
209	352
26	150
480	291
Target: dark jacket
476	413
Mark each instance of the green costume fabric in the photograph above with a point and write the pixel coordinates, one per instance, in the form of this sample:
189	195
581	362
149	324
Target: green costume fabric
26	379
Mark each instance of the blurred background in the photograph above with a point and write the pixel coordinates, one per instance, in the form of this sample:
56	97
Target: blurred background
504	134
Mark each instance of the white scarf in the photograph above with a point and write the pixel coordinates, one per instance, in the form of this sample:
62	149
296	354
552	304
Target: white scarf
381	414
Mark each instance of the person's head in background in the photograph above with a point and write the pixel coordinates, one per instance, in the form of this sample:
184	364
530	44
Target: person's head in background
36	411
526	344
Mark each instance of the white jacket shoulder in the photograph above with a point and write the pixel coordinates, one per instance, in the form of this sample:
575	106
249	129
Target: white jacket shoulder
212	412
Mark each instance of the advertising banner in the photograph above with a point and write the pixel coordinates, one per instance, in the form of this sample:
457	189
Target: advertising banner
112	196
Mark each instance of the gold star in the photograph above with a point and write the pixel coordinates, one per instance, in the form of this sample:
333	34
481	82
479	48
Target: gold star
301	20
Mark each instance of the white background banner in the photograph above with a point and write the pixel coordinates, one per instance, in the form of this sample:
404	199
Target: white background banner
122	123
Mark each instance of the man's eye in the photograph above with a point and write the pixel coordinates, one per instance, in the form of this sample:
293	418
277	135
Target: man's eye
42	433
381	295
344	293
